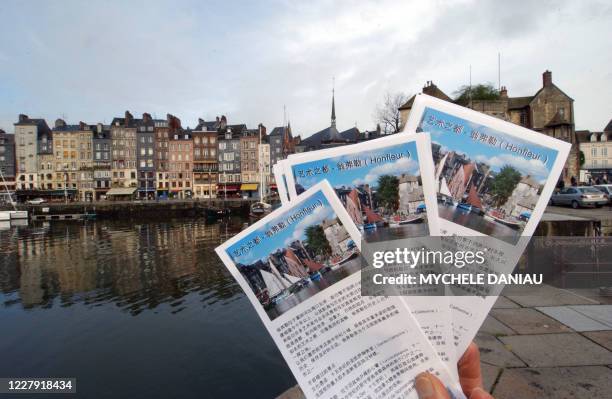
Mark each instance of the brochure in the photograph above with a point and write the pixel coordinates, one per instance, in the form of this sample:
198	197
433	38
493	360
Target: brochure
386	186
300	269
493	178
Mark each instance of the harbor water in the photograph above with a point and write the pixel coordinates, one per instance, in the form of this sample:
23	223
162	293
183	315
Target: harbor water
139	309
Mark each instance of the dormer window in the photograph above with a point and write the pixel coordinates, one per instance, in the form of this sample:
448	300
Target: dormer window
593	137
604	137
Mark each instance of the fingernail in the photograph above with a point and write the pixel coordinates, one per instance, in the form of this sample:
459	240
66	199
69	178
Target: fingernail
423	385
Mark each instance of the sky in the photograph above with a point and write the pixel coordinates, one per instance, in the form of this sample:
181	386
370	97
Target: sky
292	231
248	60
406	161
493	155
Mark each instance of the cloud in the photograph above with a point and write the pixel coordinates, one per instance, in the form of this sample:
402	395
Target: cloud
530	167
320	214
403	165
246	60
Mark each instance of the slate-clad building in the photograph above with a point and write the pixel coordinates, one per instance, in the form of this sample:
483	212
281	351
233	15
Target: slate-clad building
145	156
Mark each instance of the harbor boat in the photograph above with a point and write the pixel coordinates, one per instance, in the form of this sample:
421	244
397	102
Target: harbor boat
260	209
464	206
398	221
499	218
337	262
14	214
474	201
373	218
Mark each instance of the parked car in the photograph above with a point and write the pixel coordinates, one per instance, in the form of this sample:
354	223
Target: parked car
36	201
579	196
606	189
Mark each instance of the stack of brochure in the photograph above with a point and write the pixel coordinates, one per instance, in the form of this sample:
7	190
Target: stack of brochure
301	265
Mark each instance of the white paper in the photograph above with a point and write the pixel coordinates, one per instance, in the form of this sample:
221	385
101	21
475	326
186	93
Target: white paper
470	140
281	182
306	169
336	342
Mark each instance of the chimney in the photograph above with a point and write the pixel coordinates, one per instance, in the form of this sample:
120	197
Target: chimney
59	123
146	117
223	121
547	78
23	117
262	130
503	93
82	126
128	118
99	129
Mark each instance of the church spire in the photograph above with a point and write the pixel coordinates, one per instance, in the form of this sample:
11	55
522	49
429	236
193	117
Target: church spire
333	114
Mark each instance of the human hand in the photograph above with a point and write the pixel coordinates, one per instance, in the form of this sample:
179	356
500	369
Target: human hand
429	386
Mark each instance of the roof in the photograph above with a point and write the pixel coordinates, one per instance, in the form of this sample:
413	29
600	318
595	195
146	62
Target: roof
121	191
408	104
519	102
326	135
328	223
528	180
608	127
583	136
404	178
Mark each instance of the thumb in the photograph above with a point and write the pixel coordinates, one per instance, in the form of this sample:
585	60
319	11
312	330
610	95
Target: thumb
479	393
430	387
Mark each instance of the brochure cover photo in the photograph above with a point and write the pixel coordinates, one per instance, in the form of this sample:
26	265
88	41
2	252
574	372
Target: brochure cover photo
381	184
295	255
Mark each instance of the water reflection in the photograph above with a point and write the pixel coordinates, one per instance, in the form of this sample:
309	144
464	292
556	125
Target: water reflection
479	223
137	266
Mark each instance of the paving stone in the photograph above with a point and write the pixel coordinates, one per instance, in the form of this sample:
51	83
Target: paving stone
504	303
545	295
603	338
551	350
554	383
592	293
600	313
292	393
493	352
492	326
489	375
528	321
573	318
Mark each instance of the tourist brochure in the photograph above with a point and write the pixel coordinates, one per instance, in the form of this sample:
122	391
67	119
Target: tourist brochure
493	179
299	267
385	188
281	182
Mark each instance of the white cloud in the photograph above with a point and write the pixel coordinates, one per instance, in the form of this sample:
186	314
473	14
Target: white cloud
530	167
403	165
314	218
202	59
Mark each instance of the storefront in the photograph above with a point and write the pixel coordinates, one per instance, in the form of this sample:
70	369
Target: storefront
250	190
121	194
228	191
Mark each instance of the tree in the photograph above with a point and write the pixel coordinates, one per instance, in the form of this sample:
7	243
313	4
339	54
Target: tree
317	242
388	192
504	183
387	114
478	92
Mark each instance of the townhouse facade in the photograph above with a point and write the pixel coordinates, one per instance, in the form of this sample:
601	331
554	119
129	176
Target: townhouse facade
181	165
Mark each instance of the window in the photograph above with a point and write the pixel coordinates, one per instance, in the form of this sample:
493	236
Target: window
222	145
594	151
604	151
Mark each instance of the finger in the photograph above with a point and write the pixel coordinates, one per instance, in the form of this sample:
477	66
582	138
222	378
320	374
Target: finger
479	393
430	387
470	376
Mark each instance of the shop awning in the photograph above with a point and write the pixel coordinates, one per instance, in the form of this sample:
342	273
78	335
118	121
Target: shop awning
249	187
228	187
121	191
